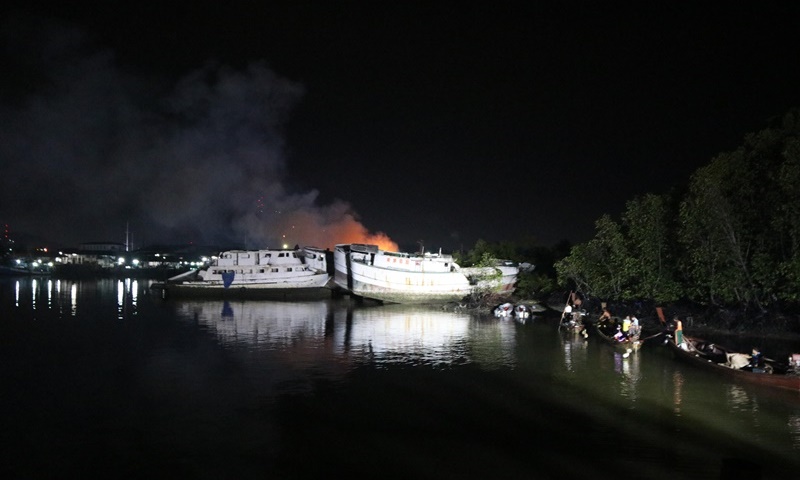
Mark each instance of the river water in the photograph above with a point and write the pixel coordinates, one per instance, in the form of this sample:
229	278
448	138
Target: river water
106	380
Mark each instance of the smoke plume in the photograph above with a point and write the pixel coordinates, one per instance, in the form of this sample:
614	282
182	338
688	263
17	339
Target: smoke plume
88	147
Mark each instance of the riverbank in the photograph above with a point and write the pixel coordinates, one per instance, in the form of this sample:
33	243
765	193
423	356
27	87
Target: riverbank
784	323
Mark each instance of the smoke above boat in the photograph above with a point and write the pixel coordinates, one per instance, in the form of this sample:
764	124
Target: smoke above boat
94	146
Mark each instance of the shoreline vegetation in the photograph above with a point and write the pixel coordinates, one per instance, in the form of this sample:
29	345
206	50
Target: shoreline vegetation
721	251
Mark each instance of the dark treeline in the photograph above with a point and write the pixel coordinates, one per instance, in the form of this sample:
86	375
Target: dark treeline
729	239
727	243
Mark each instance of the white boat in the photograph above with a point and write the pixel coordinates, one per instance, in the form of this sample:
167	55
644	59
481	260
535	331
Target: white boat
505	310
397	277
298	273
522	311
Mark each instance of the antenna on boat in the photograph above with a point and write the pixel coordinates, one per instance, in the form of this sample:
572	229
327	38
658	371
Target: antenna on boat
421	247
127	237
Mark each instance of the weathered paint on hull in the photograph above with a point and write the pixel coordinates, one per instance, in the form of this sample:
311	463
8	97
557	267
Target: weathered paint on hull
374	292
308	293
311	281
315	286
402	286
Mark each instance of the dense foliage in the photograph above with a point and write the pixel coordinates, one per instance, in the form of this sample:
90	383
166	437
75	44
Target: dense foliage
731	238
531	283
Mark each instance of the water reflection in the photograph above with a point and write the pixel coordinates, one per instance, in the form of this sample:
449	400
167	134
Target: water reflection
120	299
677	392
34	292
629	368
73	296
266	325
409	335
127	295
740	399
794	428
63	296
313	377
575	348
380	336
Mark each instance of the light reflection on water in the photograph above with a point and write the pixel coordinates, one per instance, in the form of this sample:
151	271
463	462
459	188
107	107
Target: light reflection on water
62	295
794	426
380	336
203	361
629	372
406	336
677	392
575	350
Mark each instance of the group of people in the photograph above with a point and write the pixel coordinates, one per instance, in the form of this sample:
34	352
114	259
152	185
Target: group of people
621	331
629	329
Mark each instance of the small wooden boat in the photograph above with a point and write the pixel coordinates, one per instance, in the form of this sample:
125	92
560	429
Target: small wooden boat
719	359
573	324
610	334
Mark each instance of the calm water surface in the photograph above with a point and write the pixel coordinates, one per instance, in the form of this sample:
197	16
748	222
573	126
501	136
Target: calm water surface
103	379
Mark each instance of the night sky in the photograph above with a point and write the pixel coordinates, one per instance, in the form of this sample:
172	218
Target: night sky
316	123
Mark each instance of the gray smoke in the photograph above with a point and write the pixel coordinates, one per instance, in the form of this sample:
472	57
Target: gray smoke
88	148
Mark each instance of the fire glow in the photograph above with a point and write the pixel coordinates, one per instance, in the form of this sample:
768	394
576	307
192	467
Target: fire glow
311	228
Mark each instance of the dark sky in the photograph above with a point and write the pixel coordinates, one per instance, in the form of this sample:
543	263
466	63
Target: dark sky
325	122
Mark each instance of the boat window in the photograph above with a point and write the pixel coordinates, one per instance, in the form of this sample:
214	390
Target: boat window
289	269
274	270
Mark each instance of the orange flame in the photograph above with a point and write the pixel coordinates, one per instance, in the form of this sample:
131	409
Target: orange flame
309	228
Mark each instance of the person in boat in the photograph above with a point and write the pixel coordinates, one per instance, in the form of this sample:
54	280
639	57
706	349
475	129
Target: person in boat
619	336
756	360
566	316
634	326
678	331
606	322
576	315
626	326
